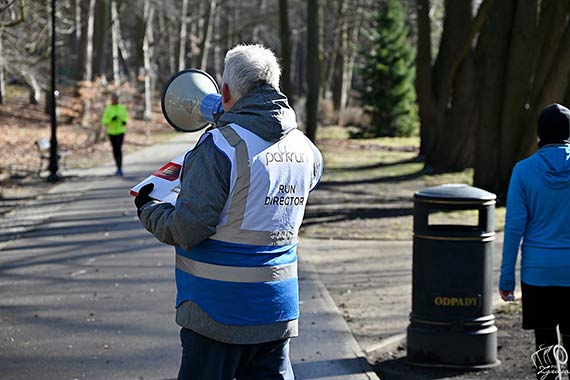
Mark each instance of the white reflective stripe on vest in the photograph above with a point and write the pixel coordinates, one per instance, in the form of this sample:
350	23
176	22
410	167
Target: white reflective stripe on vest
236	274
269	188
239	199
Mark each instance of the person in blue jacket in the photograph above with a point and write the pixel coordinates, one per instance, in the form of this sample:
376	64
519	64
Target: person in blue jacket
538	213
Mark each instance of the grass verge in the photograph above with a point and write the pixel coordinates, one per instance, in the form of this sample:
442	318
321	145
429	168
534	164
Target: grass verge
368	185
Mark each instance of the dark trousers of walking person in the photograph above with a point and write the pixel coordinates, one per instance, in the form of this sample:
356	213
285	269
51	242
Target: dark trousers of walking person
207	359
543	310
117	144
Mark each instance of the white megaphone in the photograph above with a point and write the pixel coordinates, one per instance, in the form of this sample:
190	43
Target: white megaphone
190	100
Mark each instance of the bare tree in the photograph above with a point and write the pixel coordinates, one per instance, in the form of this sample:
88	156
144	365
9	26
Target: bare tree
350	39
88	70
313	68
183	36
115	36
100	37
3	25
148	17
2	88
284	32
207	31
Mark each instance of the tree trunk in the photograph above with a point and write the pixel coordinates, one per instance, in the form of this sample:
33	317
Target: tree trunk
168	30
334	70
567	97
458	15
353	36
183	36
35	91
79	40
236	34
88	68
218	54
284	33
553	90
208	26
495	91
2	88
313	68
491	60
100	37
448	120
424	93
553	16
530	84
115	42
321	44
124	55
301	56
149	13
516	108
257	35
295	52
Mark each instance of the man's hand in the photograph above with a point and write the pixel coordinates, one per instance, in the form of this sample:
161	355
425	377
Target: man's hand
143	196
507	295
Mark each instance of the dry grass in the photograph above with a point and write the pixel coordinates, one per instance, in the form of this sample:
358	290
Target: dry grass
368	186
21	124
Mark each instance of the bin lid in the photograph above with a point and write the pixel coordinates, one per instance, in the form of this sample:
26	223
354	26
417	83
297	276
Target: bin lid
455	192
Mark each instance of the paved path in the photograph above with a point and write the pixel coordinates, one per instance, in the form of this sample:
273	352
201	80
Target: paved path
86	293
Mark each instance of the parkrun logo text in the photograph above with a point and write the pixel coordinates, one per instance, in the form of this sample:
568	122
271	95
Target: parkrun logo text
457	301
283	156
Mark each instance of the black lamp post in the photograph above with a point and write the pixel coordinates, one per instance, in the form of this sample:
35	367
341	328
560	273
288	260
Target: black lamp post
53	158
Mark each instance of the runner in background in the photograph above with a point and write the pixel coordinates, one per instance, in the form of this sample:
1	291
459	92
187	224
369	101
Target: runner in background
115	118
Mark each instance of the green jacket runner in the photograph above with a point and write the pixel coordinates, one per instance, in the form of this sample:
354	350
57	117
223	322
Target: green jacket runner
115	119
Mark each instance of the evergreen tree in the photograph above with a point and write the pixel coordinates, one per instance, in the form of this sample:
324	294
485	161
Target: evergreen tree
388	73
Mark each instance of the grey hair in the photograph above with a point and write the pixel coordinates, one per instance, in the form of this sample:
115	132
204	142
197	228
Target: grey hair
247	66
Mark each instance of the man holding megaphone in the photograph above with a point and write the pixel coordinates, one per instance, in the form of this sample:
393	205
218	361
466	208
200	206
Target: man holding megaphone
243	193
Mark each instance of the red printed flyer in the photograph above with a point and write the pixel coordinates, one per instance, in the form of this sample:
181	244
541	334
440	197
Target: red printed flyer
166	181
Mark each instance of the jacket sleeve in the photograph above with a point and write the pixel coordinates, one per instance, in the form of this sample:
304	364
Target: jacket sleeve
106	119
124	116
515	228
204	191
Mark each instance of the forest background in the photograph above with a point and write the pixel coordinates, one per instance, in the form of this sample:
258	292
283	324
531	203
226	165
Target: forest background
481	71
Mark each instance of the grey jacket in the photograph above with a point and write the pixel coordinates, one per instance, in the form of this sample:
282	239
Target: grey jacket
205	183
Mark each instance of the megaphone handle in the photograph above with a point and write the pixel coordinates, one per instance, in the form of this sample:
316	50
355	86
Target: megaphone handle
211	105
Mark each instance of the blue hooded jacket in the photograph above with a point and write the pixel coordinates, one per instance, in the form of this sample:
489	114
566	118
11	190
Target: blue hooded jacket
538	212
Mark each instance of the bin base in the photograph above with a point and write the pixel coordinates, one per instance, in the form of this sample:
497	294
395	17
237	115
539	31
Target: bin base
452	349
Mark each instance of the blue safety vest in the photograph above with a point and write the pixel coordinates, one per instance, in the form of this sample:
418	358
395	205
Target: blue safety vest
246	273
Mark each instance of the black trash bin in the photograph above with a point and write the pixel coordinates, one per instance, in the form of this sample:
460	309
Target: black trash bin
451	323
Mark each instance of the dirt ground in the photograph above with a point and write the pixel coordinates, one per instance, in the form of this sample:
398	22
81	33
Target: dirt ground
514	349
23	173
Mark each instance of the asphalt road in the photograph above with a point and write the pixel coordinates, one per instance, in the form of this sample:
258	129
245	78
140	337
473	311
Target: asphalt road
87	293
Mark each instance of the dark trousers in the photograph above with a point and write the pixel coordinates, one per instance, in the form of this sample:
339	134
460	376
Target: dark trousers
546	357
207	359
117	144
543	310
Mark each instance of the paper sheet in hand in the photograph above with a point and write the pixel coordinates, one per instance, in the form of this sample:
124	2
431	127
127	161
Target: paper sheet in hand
166	181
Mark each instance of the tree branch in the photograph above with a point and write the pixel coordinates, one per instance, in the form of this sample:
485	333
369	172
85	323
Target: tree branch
22	15
474	29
